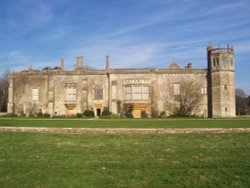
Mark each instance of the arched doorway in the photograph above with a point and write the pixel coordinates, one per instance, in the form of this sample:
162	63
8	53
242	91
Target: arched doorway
98	112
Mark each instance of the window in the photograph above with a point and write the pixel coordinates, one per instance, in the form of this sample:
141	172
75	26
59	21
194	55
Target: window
136	92
216	61
98	93
225	87
176	89
232	62
35	94
204	90
224	60
145	92
50	95
128	92
51	84
114	92
225	109
70	92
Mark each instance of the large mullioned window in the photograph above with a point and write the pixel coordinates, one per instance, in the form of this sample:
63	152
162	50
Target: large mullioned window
176	89
98	93
136	92
35	94
70	92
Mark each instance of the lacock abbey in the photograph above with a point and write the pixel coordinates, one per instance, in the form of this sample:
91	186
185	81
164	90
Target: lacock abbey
153	91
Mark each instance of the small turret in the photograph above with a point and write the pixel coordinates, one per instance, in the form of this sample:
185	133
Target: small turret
62	63
79	63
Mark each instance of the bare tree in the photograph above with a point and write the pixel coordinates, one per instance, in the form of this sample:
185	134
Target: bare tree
241	102
4	85
189	97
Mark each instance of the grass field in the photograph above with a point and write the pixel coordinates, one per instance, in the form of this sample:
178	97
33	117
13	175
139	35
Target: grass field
129	123
103	160
90	160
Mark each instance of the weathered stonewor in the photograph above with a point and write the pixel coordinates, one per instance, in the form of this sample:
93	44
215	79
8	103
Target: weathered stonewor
150	91
124	130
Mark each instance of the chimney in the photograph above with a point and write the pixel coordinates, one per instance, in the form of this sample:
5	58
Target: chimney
107	63
79	62
62	63
30	68
189	65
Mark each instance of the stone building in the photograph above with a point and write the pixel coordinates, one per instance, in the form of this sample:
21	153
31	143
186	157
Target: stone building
153	90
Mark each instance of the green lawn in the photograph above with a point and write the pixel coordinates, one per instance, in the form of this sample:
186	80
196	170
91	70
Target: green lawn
90	160
128	123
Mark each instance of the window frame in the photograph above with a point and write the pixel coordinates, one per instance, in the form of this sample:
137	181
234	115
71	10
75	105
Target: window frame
136	92
35	98
176	89
70	92
98	93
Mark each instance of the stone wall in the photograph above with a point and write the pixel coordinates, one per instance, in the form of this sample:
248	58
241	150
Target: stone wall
52	91
59	92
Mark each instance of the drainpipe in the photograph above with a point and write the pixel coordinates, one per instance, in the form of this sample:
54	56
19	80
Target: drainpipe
108	76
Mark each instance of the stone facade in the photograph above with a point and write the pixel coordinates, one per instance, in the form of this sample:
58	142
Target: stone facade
60	92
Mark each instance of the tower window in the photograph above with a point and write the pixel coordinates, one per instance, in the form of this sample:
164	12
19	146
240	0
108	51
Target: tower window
225	87
226	109
204	90
224	60
216	61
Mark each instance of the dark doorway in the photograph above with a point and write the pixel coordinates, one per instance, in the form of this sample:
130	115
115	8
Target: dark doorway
98	112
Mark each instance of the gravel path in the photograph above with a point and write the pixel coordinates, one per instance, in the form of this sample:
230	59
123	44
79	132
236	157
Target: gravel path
124	130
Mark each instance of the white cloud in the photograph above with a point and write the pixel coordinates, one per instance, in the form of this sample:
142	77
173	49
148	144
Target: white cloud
227	7
42	14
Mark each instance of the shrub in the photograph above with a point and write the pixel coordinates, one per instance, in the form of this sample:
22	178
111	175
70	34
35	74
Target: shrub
70	116
31	114
10	115
106	112
163	114
43	115
22	114
79	115
128	111
40	114
129	115
115	116
144	114
59	116
89	113
46	115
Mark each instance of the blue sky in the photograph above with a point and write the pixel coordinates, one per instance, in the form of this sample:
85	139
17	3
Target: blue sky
135	33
